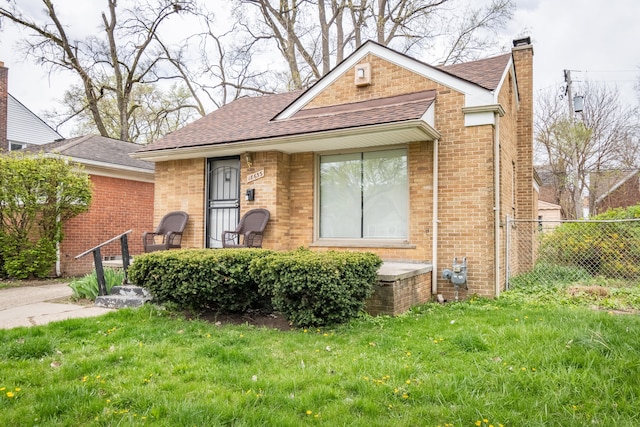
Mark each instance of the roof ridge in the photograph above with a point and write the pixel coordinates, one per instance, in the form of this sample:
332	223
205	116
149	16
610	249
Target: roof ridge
331	110
72	143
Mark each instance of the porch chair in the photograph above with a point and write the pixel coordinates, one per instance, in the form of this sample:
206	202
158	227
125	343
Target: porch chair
169	230
249	232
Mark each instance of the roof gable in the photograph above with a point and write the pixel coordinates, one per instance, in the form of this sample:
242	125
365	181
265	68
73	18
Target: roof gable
475	93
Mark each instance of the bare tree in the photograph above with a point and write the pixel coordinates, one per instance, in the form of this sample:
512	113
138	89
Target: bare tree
127	53
581	150
311	35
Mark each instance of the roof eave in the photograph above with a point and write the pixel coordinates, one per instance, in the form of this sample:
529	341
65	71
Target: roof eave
339	139
111	170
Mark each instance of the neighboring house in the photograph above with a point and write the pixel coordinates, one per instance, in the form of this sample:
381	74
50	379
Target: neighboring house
385	154
549	215
621	190
122	199
20	127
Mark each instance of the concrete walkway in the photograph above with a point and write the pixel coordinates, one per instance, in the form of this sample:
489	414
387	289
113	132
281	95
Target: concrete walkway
31	306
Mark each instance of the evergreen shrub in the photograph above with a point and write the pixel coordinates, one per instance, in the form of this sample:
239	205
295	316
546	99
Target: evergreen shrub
317	288
200	279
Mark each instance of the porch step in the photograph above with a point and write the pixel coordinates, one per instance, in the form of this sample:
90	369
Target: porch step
124	296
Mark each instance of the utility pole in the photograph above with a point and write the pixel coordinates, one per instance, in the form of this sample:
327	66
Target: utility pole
577	194
569	92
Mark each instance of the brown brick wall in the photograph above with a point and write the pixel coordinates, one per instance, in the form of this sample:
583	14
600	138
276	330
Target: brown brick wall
117	205
526	199
628	194
387	79
180	186
393	298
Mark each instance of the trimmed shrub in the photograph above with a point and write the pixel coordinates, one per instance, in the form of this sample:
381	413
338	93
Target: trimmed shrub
200	279
317	288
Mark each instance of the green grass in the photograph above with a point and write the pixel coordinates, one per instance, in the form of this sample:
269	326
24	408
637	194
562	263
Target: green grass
510	361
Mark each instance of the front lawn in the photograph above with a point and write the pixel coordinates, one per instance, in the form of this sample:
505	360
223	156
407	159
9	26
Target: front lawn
510	362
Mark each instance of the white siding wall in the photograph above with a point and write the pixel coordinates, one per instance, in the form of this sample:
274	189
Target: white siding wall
25	127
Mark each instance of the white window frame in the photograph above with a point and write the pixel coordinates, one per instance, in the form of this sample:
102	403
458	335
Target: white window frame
359	242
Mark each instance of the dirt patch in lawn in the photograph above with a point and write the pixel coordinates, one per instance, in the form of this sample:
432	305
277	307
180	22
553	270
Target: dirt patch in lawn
258	319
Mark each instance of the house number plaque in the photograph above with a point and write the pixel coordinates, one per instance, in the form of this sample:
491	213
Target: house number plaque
255	176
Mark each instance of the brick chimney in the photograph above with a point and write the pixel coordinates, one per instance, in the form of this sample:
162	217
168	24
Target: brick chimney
4	99
526	196
523	63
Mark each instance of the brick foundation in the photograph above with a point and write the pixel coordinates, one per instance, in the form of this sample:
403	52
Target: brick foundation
400	287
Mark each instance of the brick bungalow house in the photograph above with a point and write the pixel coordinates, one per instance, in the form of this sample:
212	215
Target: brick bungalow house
122	199
385	154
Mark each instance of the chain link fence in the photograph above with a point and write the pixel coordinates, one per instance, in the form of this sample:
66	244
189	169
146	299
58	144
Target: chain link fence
585	252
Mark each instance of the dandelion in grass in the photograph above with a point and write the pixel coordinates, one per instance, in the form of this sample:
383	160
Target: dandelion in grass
405	396
10	394
309	412
478	423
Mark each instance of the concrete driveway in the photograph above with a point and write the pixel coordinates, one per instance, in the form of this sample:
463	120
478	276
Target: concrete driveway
31	306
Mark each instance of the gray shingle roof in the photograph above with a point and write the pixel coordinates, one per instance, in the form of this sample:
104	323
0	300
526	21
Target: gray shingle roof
96	148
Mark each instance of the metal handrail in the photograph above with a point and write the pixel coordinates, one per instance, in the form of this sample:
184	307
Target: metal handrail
97	260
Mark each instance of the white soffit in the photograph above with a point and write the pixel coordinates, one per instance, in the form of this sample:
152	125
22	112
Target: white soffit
355	138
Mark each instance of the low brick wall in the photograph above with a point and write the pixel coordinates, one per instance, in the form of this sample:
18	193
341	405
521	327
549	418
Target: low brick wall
400	286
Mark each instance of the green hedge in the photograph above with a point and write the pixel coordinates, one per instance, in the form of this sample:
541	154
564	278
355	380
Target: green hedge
200	279
317	288
308	288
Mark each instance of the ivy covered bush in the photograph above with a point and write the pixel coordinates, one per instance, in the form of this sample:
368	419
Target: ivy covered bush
608	249
308	288
200	279
317	288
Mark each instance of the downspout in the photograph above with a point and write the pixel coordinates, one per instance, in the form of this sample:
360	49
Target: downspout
434	243
496	207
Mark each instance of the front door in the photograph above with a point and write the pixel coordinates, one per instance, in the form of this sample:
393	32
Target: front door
223	198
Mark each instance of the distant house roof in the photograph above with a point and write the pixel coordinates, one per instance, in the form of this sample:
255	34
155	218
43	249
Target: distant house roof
544	206
274	121
24	127
100	155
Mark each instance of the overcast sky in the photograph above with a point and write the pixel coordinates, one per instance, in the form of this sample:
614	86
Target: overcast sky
598	40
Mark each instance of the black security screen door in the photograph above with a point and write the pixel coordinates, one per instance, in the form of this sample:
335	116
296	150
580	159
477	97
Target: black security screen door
223	198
